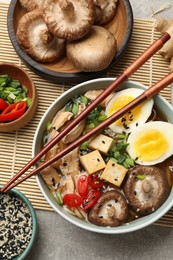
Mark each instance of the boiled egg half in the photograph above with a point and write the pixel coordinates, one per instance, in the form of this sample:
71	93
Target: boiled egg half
133	118
151	143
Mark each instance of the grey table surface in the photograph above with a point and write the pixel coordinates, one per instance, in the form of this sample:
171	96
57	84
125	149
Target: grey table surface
59	239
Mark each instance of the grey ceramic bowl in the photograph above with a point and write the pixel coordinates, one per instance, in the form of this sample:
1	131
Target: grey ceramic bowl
24	254
137	224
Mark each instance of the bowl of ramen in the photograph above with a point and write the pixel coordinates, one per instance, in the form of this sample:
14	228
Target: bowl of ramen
119	180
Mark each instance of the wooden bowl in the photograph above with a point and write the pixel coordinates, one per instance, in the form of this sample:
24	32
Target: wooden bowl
18	73
63	71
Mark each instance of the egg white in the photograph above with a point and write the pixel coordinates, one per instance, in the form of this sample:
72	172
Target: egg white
115	104
161	141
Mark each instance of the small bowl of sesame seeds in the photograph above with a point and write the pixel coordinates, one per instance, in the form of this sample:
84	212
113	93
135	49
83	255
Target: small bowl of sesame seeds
18	225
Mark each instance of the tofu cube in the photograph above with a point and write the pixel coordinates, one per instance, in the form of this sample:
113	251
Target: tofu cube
92	162
102	143
114	173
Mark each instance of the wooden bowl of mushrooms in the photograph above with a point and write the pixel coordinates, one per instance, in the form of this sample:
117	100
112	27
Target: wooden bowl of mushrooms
70	41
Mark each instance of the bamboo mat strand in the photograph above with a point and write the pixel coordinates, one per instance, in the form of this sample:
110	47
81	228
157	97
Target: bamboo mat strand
16	147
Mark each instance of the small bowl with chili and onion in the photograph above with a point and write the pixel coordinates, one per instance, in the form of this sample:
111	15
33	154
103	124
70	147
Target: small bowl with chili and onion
18	97
18	225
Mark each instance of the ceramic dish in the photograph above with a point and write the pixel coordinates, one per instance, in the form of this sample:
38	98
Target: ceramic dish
63	71
24	200
16	72
142	222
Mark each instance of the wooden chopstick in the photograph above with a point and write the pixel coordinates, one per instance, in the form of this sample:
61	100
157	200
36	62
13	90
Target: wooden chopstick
153	48
147	94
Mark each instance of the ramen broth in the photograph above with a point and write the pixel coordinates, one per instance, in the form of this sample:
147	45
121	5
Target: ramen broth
58	187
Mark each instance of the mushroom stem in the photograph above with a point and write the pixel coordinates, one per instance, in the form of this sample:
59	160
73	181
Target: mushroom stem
111	211
146	186
46	36
67	8
102	3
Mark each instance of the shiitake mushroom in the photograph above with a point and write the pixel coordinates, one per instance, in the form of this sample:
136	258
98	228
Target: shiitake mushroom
146	188
111	210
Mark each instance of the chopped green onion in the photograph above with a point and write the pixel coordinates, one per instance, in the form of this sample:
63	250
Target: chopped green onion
49	125
84	146
12	96
113	159
130	161
91	125
28	101
15	83
122	136
75	109
12	91
58	198
141	177
102	117
121	146
25	89
84	100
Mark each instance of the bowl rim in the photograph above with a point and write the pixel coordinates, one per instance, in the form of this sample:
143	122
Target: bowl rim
29	113
34	223
64	77
126	228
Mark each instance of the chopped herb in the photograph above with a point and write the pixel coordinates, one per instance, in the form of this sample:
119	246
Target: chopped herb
58	198
130	161
84	146
141	177
49	125
12	91
122	136
84	100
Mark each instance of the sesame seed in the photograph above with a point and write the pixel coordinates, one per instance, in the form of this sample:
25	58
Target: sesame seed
17	226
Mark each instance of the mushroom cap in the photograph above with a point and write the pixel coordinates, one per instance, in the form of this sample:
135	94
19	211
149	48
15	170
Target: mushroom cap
104	11
36	40
69	19
146	188
94	52
30	5
111	210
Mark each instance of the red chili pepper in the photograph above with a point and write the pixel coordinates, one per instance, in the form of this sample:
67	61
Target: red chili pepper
13	111
91	199
72	200
82	185
94	181
3	104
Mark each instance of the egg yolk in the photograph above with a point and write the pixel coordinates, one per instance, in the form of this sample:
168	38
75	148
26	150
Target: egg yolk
150	145
130	116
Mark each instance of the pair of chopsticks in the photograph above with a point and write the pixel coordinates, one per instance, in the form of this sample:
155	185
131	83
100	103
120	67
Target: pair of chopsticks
147	94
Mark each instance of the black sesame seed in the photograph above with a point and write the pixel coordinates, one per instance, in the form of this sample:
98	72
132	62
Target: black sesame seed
64	164
14	237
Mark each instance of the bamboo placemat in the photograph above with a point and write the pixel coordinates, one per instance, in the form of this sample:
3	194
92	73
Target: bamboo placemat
16	148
